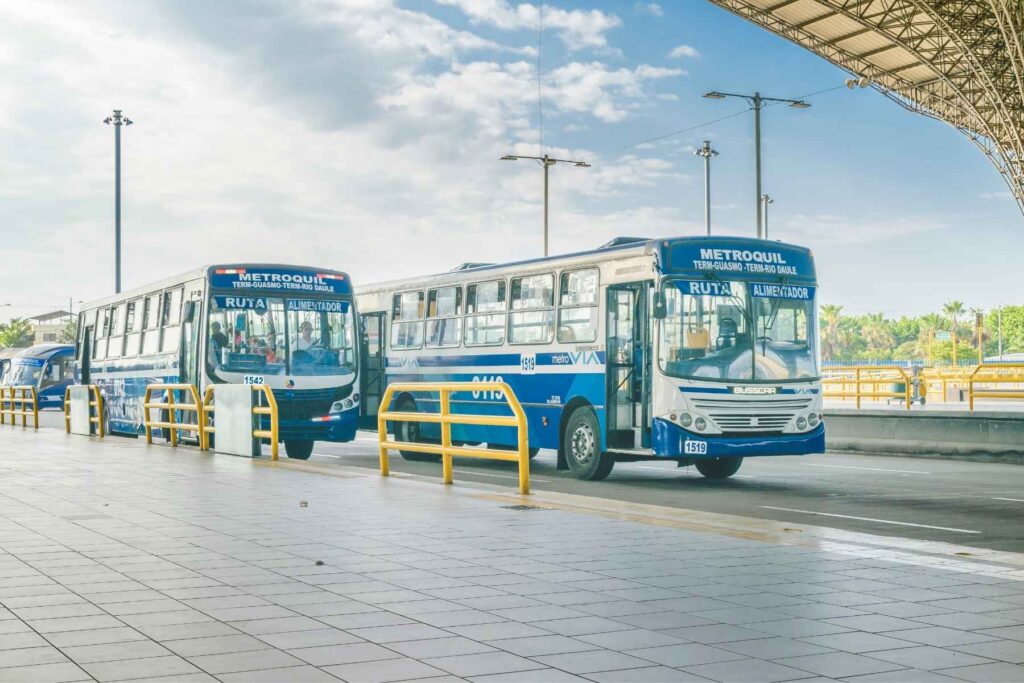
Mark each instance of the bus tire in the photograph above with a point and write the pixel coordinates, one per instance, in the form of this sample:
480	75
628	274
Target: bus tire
534	452
410	431
718	468
298	449
582	444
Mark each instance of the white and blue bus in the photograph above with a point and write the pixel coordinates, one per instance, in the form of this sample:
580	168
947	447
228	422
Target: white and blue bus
50	368
699	349
291	328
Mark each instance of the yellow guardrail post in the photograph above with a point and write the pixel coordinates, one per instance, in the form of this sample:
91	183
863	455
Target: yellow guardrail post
208	408
996	374
446	419
865	381
172	406
67	410
19	400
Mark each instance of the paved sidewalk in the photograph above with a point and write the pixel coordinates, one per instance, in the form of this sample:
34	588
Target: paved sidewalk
121	562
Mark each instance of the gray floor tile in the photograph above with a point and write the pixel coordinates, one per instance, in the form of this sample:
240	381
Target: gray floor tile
112	652
386	671
687	654
394	634
440	647
797	628
31	656
314	638
180	631
1011	651
214	645
648	674
94	637
15	641
591	662
543	645
988	673
139	668
581	626
662	620
291	674
458	618
773	648
941	637
859	642
253	660
531	676
365	620
46	626
44	673
350	653
483	664
498	631
715	633
748	670
929	658
839	664
966	621
902	676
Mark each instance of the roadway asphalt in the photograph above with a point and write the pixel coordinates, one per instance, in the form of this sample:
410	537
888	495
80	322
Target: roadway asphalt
967	503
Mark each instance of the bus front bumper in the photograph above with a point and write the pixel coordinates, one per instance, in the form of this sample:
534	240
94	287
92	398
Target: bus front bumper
672	441
331	427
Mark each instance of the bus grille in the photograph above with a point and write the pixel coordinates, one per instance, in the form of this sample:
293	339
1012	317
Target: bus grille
302	405
764	416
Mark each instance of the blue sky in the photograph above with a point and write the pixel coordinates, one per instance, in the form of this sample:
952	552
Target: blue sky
365	135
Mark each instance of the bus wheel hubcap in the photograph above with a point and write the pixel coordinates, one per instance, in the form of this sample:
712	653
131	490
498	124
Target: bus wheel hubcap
583	444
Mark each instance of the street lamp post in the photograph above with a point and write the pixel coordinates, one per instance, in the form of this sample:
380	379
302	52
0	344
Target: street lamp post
117	120
547	162
756	103
765	201
706	152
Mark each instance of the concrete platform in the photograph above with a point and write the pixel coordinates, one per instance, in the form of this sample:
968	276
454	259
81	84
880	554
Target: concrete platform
125	562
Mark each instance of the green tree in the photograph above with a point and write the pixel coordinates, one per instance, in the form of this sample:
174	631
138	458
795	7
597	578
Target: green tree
69	333
831	332
954	309
877	334
1011	329
15	333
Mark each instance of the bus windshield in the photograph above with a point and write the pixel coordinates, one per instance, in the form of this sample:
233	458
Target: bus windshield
735	331
276	336
24	372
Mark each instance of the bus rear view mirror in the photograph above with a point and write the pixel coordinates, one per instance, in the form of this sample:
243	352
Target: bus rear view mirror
659	311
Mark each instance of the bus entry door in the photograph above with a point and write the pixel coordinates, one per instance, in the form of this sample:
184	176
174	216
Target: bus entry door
629	366
372	377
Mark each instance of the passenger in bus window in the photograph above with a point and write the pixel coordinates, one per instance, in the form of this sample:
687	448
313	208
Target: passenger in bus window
217	335
304	341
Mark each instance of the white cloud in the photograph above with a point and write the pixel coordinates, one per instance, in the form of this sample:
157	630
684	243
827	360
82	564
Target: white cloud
684	51
576	28
842	230
996	195
651	8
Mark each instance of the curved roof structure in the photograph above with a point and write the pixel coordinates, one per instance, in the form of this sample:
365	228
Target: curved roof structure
960	61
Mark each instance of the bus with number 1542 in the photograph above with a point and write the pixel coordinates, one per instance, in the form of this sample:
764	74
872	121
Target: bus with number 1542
291	328
703	350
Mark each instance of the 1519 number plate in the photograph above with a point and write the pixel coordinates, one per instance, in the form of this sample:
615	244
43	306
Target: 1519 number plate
691	447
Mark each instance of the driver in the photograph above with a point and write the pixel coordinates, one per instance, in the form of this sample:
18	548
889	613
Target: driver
304	341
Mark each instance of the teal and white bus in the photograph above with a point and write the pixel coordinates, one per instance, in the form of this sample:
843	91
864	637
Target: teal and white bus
699	349
291	328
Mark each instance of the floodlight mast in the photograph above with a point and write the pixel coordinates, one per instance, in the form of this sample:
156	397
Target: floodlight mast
547	162
756	103
117	120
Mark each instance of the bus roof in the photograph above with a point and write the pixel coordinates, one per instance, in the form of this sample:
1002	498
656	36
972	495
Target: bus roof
45	351
201	273
618	247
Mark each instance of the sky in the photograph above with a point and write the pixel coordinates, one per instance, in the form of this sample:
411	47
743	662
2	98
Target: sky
365	135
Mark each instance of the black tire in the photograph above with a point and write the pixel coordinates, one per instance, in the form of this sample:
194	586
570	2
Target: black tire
410	431
298	450
718	468
534	452
582	444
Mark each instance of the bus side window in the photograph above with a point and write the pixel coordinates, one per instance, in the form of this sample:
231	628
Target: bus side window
99	349
133	326
115	345
151	325
485	313
577	306
407	321
532	320
444	317
170	317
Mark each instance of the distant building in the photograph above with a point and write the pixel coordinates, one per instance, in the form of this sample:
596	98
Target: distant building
47	327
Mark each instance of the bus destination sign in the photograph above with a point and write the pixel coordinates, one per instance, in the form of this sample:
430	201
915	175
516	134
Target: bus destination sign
280	280
743	258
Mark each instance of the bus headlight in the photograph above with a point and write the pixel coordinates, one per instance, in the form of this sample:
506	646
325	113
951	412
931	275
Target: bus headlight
801	423
700	423
685	420
813	419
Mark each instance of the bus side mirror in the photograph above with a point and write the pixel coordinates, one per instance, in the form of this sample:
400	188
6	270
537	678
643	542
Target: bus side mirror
659	311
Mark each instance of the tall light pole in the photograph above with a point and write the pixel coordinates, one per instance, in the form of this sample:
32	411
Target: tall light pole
117	120
765	201
706	152
547	162
756	103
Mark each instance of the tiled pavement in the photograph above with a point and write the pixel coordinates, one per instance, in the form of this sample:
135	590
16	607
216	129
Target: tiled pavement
119	562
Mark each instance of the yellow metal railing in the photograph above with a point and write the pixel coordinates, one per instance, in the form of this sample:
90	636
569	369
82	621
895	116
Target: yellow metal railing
19	400
446	419
269	409
867	382
997	380
95	402
172	406
944	378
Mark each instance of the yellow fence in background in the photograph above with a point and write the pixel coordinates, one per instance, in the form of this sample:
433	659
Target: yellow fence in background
95	409
192	404
867	382
269	408
19	400
941	380
446	419
996	380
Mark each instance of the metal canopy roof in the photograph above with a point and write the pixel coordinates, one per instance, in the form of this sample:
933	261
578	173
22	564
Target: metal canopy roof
960	61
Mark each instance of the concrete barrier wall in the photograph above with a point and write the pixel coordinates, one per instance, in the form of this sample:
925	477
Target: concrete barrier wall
979	435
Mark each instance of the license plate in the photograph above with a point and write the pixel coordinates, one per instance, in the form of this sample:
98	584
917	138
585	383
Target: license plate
691	447
252	379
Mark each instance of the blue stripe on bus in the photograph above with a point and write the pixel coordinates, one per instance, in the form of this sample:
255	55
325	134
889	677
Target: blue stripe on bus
727	390
558	359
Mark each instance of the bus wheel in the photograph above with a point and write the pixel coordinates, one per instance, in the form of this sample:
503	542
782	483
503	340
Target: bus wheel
582	439
534	452
410	432
718	468
298	450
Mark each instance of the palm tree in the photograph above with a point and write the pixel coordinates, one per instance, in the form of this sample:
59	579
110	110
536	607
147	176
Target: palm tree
929	325
954	309
16	333
831	317
877	333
